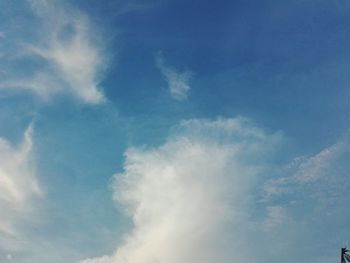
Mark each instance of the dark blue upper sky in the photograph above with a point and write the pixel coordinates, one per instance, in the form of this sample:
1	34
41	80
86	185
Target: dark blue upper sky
272	60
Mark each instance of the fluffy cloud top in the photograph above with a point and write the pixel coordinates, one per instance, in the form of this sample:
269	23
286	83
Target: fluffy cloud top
178	82
68	52
206	195
18	186
184	196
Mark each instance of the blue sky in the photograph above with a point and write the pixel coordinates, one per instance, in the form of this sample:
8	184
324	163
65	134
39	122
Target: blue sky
174	131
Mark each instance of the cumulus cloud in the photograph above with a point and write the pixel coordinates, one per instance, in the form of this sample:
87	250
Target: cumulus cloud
178	82
68	54
202	196
18	186
185	196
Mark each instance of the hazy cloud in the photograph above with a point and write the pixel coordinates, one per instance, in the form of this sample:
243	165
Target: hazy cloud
178	82
276	215
18	187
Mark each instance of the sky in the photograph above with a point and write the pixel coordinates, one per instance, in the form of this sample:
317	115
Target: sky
168	131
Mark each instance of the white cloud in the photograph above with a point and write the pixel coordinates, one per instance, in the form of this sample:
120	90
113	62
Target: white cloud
69	51
178	82
188	197
201	197
18	187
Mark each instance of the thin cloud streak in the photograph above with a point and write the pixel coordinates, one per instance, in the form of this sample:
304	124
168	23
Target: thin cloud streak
320	171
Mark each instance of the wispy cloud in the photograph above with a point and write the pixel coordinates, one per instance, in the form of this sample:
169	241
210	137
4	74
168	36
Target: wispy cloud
323	176
69	55
19	186
276	215
178	82
313	168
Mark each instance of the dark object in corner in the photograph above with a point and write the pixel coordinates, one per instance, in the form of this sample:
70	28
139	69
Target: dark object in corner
344	256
